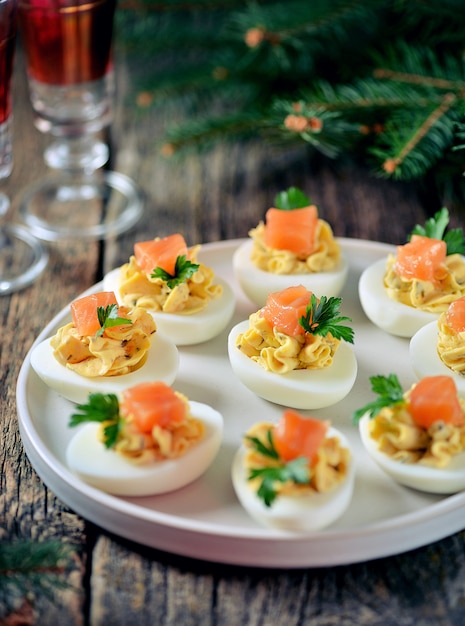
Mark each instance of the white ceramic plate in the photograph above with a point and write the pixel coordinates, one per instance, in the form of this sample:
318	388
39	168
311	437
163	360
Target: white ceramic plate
204	520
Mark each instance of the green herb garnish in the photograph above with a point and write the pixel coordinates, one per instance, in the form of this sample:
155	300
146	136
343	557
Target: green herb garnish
103	408
390	392
183	270
323	317
435	228
108	317
293	198
296	470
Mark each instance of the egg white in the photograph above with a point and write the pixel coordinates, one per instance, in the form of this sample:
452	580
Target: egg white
298	389
257	284
161	364
389	315
428	479
109	471
425	359
187	329
300	514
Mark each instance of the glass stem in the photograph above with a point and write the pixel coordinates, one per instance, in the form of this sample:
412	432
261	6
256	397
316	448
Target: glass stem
77	154
4	205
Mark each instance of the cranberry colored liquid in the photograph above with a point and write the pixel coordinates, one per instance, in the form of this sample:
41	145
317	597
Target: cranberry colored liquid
6	67
66	45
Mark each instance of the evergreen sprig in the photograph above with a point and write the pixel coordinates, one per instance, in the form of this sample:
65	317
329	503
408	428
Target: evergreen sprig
380	82
30	568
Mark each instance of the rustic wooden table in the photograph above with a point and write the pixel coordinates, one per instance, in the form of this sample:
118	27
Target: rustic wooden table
214	197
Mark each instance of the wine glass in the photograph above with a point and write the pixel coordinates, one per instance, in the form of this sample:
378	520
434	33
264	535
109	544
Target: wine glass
22	256
68	52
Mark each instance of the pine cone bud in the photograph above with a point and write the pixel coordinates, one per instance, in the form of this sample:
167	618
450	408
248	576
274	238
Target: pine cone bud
254	37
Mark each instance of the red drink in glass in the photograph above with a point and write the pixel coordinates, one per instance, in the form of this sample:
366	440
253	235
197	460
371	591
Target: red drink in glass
67	45
67	42
8	15
7	46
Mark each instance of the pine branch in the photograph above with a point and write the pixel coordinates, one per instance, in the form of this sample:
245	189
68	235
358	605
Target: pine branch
366	94
382	82
434	82
29	567
180	5
325	129
294	19
202	134
403	158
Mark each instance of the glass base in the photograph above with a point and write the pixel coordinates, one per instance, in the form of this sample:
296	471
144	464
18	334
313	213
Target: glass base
22	258
82	207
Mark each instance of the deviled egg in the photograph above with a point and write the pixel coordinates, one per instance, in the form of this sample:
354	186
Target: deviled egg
148	440
417	437
295	350
296	475
188	302
121	349
292	246
439	347
391	316
411	288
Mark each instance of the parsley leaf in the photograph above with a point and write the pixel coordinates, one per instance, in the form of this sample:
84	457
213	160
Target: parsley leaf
322	317
261	448
435	227
455	241
390	392
103	408
293	198
183	270
108	317
297	471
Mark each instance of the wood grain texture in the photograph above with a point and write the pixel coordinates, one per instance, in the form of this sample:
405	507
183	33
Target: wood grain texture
219	195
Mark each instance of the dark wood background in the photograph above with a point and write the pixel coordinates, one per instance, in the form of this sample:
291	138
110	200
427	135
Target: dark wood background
212	197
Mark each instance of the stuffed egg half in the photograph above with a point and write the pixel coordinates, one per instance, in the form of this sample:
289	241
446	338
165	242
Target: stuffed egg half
188	328
417	440
300	508
90	354
281	361
165	456
161	364
257	283
391	316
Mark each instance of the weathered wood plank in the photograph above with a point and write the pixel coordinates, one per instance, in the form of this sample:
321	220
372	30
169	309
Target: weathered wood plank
28	510
422	587
220	195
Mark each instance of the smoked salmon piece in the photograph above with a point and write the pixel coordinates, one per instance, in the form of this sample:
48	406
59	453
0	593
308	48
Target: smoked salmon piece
153	404
160	253
434	399
293	230
455	315
283	309
84	311
295	436
421	258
